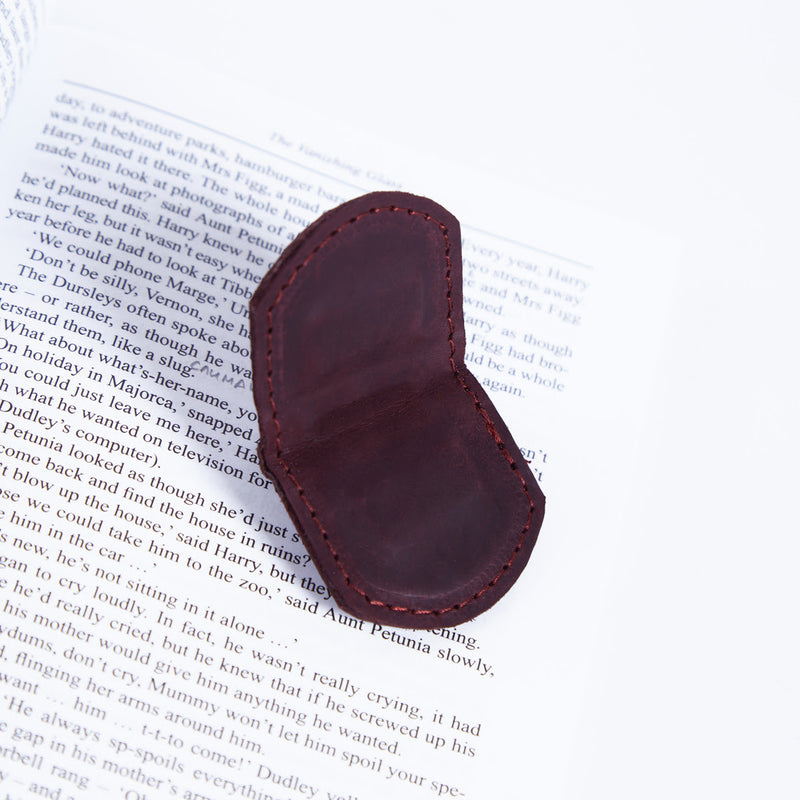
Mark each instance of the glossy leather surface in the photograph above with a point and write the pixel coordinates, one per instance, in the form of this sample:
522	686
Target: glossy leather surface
405	485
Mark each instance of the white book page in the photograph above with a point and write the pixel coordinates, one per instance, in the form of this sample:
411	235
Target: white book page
19	24
162	632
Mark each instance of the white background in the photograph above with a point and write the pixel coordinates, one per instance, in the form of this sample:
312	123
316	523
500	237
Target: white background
683	117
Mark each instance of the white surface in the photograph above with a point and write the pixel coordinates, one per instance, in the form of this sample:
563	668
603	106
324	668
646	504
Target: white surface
684	118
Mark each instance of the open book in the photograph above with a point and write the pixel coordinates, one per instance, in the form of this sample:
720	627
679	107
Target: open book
162	633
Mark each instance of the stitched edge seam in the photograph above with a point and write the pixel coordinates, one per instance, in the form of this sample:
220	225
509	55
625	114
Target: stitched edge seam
482	412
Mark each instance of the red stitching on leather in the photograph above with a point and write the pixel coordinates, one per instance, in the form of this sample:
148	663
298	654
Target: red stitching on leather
483	413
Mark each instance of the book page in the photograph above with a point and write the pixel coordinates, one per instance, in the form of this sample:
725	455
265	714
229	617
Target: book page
162	630
19	23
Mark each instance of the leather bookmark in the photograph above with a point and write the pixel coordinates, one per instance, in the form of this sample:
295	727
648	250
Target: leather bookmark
406	487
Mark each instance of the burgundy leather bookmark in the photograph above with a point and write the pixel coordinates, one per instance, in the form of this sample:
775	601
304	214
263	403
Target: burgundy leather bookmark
406	487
